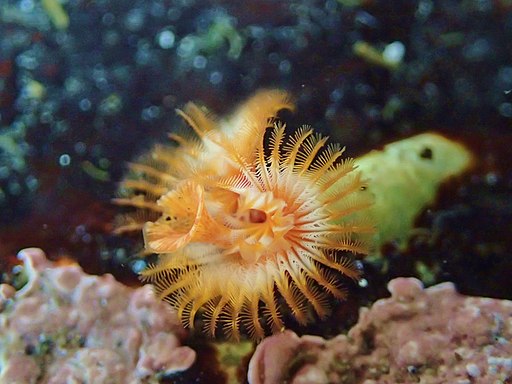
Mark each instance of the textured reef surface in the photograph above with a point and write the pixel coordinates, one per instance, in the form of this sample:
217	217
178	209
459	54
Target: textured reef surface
66	326
432	335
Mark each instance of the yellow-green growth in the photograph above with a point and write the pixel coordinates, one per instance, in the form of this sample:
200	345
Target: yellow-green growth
56	13
404	178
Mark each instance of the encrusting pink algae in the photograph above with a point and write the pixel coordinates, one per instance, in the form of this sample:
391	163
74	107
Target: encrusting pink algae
432	335
66	326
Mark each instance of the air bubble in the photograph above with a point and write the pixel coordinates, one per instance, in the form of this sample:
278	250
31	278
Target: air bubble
64	160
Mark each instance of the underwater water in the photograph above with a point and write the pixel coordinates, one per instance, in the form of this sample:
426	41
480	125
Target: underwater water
88	86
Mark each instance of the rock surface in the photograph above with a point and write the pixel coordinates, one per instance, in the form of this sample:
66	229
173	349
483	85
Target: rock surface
432	335
67	326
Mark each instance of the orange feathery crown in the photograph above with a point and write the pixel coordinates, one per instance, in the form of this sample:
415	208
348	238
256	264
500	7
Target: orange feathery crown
237	225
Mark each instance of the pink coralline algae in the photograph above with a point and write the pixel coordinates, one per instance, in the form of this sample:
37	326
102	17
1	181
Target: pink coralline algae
432	335
65	326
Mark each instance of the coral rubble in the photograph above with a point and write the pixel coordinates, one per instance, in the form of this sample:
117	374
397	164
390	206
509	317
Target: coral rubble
67	326
432	335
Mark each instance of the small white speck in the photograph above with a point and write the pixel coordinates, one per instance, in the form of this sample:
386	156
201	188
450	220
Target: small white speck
215	77
473	370
491	178
500	361
85	104
138	266
64	160
166	39
80	147
26	5
285	66
31	182
200	62
394	52
187	47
